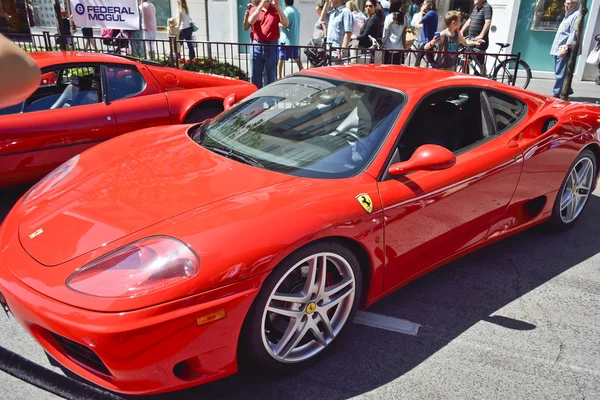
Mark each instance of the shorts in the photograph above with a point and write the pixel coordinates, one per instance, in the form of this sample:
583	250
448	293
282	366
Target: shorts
288	52
87	32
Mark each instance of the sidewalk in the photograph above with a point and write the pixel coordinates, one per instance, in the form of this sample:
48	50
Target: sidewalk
582	91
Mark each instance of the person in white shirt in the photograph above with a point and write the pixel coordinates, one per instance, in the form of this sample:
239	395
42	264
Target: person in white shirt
394	29
149	25
185	27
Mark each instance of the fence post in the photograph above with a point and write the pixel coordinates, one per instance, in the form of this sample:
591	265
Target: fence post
173	51
47	40
514	80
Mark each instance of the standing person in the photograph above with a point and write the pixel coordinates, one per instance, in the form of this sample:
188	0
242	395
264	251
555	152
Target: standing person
289	36
339	27
359	21
412	10
428	24
320	25
448	41
561	47
385	5
137	40
393	34
185	27
30	14
371	28
88	34
173	30
478	24
264	20
66	27
148	12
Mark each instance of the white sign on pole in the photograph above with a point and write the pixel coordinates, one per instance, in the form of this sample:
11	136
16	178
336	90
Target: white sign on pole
112	14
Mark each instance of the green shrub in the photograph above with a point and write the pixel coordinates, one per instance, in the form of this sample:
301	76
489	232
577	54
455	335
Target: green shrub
209	66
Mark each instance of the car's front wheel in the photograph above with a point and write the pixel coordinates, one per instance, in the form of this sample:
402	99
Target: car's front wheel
574	192
302	307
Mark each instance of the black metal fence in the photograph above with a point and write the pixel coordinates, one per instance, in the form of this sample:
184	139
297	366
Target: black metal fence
241	59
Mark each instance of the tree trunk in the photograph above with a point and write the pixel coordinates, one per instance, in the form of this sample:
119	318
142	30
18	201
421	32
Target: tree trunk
574	53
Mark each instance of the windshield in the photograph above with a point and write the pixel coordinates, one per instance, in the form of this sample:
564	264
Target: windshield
306	126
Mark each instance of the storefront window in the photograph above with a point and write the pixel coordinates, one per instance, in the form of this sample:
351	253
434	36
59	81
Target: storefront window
548	14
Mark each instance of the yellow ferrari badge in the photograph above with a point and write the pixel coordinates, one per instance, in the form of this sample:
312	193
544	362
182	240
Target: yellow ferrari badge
365	201
311	307
34	234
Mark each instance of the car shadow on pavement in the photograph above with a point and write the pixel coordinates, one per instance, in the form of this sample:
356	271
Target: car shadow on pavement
446	303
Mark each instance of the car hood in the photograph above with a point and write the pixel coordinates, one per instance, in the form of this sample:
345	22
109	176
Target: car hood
121	187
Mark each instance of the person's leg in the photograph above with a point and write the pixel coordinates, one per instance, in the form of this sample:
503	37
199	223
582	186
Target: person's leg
191	45
560	67
151	36
281	52
271	64
256	65
296	56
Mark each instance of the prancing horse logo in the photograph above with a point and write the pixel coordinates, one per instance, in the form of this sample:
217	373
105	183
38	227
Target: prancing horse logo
365	201
34	234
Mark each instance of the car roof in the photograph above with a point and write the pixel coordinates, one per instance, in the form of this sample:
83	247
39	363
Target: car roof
410	80
49	58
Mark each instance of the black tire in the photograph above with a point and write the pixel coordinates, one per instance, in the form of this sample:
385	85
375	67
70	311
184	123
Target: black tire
253	352
505	71
200	113
556	221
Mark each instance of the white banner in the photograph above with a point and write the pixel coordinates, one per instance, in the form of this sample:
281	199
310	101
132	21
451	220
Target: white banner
113	14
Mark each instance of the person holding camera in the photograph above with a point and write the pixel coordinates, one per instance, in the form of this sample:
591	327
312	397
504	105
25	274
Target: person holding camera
264	19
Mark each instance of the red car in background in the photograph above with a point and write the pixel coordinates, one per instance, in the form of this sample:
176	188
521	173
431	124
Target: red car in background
86	98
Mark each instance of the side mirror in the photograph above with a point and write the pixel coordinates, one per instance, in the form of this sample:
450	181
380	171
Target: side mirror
229	101
429	157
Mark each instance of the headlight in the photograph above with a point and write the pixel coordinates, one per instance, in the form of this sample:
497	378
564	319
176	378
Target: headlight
51	180
139	268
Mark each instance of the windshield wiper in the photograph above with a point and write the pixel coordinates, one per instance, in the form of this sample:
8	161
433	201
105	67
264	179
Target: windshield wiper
200	133
231	153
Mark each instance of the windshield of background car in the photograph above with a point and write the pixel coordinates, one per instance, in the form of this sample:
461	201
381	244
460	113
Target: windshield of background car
307	127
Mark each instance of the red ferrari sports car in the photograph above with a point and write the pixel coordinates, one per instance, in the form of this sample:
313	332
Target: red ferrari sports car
157	260
86	98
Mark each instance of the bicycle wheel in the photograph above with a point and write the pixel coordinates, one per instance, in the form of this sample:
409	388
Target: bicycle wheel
470	66
505	73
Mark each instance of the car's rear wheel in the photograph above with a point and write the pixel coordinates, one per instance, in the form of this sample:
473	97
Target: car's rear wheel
302	307
574	192
200	113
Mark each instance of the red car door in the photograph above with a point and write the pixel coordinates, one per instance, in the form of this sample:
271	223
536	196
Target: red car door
64	117
430	215
136	98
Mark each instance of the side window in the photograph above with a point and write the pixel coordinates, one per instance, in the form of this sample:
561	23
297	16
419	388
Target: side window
62	87
124	82
507	110
450	118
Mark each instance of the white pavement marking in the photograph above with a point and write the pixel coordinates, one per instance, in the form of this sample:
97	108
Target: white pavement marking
387	323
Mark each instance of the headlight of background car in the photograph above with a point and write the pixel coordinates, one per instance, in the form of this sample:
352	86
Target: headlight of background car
50	180
139	268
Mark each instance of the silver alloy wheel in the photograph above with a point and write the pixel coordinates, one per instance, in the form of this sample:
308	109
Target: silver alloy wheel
577	190
308	307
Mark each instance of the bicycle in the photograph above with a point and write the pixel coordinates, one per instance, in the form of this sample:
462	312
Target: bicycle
501	71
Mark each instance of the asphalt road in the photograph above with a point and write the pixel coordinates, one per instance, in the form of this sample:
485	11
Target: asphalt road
517	320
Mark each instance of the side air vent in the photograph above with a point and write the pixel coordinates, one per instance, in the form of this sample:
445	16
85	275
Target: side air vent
549	124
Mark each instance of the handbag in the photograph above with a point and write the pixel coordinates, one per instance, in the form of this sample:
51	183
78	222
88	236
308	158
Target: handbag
194	26
594	56
410	36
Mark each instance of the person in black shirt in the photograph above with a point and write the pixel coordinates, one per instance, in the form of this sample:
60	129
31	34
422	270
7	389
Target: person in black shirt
478	25
371	28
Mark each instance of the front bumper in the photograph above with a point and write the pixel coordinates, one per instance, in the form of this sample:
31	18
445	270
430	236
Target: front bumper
151	350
